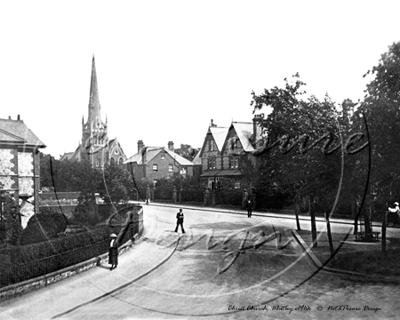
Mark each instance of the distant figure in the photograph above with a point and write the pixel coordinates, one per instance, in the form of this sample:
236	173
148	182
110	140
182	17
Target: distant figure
249	207
396	217
113	252
179	221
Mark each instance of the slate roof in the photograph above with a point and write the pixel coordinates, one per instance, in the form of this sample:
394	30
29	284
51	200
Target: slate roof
197	160
219	135
222	173
244	131
67	156
151	152
17	131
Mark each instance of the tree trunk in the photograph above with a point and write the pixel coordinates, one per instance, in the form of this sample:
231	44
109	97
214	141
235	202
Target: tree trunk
296	212
384	219
328	227
313	223
354	213
367	222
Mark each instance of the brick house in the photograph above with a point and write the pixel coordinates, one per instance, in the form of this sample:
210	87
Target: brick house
154	163
19	160
224	151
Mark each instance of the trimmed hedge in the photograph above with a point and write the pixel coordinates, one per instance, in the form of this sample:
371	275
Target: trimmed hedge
25	262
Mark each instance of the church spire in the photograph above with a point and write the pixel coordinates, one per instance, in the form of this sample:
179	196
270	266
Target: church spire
94	102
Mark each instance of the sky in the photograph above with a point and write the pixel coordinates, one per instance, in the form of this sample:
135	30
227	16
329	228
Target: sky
166	68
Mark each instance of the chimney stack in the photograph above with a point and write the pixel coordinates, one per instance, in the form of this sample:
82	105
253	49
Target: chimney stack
171	146
140	145
18	118
257	129
212	123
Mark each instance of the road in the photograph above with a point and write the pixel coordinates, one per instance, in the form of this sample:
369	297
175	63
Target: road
226	266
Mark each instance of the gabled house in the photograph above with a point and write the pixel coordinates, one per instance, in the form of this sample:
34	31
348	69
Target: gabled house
225	161
19	161
154	163
211	155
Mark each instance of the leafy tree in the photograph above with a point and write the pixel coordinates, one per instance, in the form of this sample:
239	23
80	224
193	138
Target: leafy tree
300	127
117	185
10	222
187	151
43	227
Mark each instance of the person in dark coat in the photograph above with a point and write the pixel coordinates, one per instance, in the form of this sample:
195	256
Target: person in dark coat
394	214
249	207
113	252
179	221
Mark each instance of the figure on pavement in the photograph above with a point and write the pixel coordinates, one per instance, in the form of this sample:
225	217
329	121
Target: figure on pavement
179	221
249	207
113	252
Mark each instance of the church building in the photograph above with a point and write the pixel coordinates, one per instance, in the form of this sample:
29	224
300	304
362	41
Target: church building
95	146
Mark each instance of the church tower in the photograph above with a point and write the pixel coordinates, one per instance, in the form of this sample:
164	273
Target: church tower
94	131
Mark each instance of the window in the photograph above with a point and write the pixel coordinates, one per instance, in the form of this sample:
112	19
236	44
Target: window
155	167
170	167
121	161
163	156
183	171
211	145
116	151
97	164
233	162
234	143
237	185
212	163
112	160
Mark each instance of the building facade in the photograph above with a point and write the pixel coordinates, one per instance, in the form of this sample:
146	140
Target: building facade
154	163
19	161
227	151
95	146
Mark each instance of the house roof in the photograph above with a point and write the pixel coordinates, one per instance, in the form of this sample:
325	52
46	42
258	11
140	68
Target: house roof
219	135
222	173
197	160
17	131
244	131
67	156
151	152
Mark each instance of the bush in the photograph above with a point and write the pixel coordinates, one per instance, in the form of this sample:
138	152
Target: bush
86	212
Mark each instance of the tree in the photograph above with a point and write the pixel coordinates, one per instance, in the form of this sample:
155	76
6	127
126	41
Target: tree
187	151
10	222
300	127
380	109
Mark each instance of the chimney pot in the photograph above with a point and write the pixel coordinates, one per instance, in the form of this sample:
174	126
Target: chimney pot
140	145
9	117
18	118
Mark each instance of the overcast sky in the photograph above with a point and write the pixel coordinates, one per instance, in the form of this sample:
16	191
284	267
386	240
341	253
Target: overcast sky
165	68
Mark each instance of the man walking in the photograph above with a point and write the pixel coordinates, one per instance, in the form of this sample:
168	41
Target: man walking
249	207
179	221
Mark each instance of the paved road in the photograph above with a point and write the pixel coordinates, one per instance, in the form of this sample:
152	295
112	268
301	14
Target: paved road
223	265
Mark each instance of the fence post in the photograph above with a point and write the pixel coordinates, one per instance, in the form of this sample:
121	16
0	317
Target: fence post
206	196
174	194
180	195
384	219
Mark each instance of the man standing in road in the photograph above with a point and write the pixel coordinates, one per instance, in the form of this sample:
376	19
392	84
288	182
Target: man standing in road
179	221
249	207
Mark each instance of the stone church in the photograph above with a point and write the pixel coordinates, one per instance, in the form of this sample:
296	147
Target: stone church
95	145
